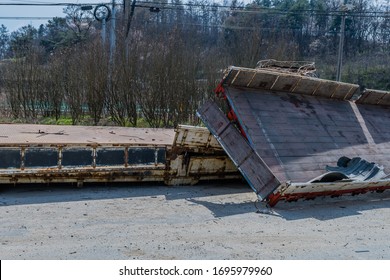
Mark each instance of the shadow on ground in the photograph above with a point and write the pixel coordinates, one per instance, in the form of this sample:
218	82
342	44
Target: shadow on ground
40	194
237	199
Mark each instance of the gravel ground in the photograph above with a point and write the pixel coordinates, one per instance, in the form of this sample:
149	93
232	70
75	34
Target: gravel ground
206	221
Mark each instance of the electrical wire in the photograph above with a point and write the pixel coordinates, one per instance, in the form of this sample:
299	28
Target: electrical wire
26	18
51	4
211	8
242	9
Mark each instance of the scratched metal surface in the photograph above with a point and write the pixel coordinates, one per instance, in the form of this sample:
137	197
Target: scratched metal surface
30	134
298	135
252	167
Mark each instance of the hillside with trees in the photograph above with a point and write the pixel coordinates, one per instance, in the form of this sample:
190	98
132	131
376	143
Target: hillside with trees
169	55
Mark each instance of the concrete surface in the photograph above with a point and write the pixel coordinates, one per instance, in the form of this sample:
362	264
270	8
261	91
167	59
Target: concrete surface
207	221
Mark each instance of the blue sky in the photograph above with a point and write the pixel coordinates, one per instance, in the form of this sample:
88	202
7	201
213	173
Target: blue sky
41	11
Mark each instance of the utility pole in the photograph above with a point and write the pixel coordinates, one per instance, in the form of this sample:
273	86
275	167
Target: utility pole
127	32
104	31
341	47
112	33
102	13
344	9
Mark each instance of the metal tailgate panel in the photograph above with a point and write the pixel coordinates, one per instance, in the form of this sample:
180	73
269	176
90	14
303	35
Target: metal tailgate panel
298	135
253	168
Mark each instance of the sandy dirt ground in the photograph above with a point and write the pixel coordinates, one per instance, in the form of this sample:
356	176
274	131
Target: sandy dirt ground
206	221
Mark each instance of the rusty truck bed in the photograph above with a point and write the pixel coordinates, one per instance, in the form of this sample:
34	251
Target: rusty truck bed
79	154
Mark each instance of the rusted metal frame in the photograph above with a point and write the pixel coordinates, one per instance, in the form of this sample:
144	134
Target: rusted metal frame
85	175
175	143
232	116
22	155
188	153
89	169
181	170
289	197
60	149
220	90
200	145
182	154
237	71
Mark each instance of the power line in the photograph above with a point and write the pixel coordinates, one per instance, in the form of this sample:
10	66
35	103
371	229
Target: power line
239	9
26	18
268	11
50	4
212	7
249	9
